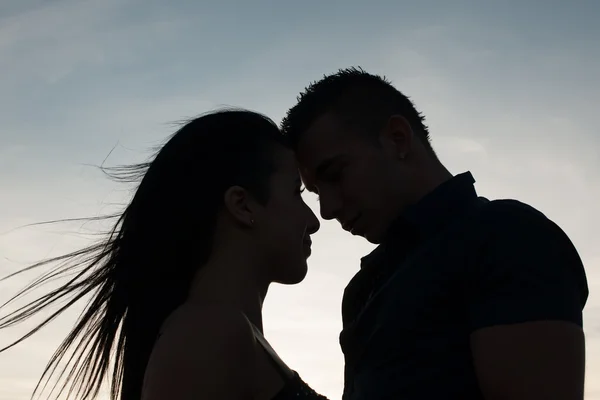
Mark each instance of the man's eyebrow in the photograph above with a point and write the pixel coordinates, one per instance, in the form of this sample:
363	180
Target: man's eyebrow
325	165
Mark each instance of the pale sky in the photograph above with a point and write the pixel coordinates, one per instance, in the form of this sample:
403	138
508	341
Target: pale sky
510	92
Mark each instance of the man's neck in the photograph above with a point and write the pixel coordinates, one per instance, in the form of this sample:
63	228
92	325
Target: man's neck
431	177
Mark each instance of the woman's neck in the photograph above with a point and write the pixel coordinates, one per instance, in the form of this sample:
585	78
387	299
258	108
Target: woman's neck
232	282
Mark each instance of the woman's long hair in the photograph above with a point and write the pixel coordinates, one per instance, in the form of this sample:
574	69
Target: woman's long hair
141	271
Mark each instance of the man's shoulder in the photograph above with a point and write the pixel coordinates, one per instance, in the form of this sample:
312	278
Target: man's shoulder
518	240
506	207
506	214
508	224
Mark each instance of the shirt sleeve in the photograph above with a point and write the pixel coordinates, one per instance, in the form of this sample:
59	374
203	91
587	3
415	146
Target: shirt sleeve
527	269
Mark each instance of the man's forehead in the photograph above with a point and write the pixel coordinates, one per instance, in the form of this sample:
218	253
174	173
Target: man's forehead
323	129
319	141
325	122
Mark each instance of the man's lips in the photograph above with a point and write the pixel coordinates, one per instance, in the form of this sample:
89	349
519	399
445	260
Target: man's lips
349	224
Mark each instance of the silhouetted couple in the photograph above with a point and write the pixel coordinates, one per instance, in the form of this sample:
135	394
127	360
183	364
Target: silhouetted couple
464	298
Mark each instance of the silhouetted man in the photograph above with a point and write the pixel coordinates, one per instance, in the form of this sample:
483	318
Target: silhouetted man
464	298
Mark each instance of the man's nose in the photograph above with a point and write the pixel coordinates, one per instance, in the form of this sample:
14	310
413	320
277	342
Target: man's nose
329	206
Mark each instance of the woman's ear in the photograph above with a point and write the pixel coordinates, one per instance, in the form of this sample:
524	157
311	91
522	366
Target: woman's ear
239	203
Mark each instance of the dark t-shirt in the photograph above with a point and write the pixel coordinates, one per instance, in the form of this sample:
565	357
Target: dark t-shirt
453	264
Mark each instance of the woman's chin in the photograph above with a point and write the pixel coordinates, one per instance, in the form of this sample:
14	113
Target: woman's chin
294	275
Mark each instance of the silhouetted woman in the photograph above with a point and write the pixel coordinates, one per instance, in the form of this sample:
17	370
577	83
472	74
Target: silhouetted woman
178	285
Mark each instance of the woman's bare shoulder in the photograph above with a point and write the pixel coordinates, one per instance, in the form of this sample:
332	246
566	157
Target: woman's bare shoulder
208	351
208	322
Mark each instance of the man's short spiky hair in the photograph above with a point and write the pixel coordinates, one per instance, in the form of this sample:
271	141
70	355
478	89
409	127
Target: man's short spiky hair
365	100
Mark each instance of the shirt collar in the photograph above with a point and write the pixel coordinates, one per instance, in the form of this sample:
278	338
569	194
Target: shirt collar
431	213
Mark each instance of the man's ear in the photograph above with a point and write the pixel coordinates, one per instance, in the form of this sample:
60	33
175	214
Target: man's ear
397	136
239	203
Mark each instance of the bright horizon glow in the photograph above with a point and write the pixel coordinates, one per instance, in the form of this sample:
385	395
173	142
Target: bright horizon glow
509	91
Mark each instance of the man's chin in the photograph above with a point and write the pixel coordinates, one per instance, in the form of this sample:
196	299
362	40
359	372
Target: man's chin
372	237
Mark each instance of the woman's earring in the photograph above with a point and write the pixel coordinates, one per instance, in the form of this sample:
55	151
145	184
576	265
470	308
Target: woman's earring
251	222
